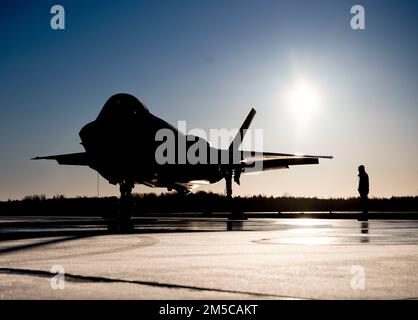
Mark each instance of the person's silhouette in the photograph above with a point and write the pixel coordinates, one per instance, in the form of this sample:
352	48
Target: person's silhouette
363	189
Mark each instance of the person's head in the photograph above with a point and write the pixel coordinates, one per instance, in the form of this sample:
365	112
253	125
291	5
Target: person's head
361	169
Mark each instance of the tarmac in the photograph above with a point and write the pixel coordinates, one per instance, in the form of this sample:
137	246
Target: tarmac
192	257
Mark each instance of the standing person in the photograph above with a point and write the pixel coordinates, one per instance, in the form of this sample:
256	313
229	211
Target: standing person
363	189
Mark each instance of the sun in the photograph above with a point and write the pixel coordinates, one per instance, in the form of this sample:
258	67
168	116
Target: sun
302	99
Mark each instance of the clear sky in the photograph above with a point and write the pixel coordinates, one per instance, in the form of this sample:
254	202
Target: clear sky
208	62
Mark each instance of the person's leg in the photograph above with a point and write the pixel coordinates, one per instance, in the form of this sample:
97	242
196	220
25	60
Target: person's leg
364	205
361	215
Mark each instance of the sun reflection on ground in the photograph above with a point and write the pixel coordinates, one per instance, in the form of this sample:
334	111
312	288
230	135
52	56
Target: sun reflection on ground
306	222
308	240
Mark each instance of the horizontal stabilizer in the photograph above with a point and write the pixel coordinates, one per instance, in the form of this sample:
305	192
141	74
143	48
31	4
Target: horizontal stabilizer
274	155
284	163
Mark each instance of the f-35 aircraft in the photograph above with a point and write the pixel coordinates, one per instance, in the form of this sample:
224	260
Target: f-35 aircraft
121	146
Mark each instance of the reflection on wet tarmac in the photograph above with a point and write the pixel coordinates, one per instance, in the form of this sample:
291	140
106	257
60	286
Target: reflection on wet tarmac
365	232
289	231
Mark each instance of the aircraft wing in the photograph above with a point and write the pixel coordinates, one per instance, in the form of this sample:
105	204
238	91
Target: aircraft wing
264	161
75	159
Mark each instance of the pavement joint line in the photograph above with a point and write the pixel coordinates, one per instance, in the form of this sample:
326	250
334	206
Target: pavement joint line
98	279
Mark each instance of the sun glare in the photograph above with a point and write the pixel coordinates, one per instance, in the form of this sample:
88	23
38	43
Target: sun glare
302	99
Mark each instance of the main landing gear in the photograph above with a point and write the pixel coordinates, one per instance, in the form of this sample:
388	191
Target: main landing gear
233	206
124	222
228	185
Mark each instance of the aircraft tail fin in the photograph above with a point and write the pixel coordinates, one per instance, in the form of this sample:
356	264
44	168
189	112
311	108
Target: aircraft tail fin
235	144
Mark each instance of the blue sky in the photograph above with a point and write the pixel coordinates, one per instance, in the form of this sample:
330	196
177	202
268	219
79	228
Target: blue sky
208	62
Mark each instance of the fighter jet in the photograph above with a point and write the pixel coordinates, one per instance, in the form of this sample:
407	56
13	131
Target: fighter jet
123	144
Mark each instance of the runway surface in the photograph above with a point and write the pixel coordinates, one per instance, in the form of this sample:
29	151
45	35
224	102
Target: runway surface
208	258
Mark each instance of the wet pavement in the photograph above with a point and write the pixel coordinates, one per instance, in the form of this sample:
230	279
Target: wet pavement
208	258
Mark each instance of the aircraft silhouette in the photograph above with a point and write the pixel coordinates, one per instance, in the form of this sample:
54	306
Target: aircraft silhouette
121	146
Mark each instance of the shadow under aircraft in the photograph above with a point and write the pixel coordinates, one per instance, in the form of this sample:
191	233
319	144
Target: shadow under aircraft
125	147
